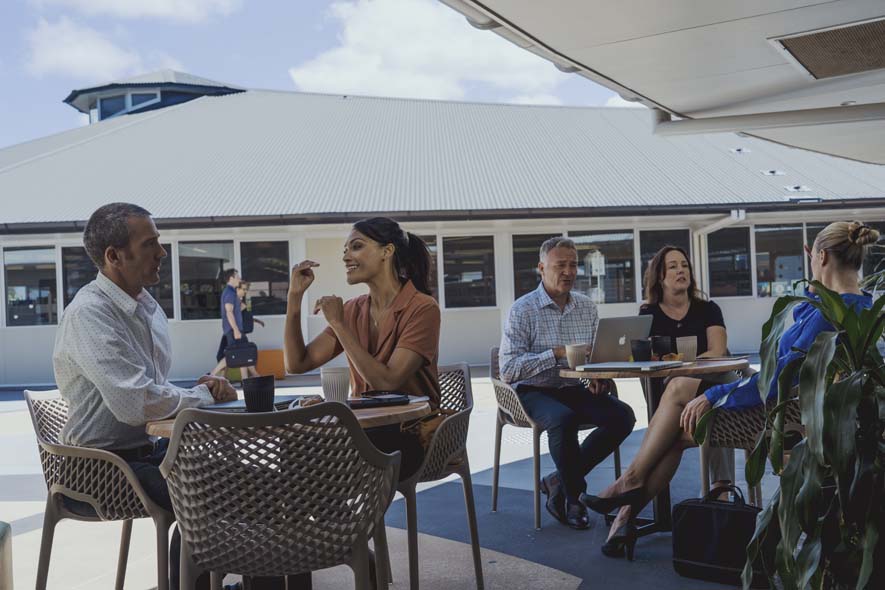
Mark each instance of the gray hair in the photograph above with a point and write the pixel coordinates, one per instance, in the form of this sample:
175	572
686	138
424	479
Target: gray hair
108	227
556	242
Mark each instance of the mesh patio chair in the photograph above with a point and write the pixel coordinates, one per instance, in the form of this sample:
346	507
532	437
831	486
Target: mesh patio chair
512	413
99	478
740	429
446	455
5	556
277	494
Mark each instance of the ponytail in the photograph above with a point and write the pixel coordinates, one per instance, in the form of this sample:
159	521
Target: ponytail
411	259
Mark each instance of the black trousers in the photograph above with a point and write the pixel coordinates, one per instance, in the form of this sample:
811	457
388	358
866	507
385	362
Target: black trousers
561	411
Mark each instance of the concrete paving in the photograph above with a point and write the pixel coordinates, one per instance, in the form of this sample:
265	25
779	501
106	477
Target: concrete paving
514	554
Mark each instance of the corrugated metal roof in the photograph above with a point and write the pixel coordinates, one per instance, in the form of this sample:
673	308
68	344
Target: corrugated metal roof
266	153
170	77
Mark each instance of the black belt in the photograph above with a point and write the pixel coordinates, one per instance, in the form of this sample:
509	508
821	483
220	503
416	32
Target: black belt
134	454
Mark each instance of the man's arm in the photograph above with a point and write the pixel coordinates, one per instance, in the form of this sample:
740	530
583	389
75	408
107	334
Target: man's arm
110	363
517	363
232	320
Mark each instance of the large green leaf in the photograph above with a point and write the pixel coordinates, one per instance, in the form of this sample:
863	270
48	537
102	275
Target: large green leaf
791	481
759	539
772	330
809	503
839	429
808	560
784	392
755	467
812	387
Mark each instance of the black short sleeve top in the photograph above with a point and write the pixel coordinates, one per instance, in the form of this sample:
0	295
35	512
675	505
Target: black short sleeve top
701	315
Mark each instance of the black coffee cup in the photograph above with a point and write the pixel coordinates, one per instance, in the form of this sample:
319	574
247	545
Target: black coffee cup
661	345
259	393
641	349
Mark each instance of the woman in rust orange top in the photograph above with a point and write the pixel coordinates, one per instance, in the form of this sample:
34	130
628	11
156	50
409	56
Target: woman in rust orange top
390	335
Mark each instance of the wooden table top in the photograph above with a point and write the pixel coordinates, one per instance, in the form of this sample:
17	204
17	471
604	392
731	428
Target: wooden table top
368	417
695	369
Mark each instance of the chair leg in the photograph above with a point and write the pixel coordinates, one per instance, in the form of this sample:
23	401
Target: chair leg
467	482
216	580
536	462
618	462
360	565
162	524
704	456
382	556
189	571
496	468
125	535
412	520
50	519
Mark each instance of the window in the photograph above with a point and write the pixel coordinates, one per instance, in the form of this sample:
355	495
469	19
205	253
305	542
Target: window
112	105
266	269
434	275
605	266
163	291
779	260
875	258
30	286
525	262
77	269
200	266
143	97
650	242
729	262
469	271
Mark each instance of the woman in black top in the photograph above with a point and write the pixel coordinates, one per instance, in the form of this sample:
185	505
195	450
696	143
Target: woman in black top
678	307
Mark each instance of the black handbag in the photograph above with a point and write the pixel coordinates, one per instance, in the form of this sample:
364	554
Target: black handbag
710	538
241	354
248	322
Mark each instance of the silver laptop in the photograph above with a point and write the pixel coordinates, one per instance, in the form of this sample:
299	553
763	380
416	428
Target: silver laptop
613	337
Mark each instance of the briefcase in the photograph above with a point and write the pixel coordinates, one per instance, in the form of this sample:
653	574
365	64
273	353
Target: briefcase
710	538
241	354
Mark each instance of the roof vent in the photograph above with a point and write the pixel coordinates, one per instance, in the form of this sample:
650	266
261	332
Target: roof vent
838	51
740	150
773	172
797	188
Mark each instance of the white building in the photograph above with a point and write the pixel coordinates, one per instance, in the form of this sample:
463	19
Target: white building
259	180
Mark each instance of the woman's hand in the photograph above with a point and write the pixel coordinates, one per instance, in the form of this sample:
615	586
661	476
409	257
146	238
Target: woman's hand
693	411
302	277
332	307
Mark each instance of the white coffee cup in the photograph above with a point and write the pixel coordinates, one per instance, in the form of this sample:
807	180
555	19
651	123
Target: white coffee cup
336	383
687	346
576	355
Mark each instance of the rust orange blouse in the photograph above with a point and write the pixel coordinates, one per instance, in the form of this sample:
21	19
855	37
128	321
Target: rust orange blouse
412	322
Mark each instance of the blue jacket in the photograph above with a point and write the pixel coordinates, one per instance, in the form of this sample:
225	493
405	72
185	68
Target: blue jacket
808	324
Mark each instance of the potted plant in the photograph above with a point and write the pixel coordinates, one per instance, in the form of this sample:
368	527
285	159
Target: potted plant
822	528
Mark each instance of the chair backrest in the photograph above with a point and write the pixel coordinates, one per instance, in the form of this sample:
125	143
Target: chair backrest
49	413
494	363
456	392
5	557
276	493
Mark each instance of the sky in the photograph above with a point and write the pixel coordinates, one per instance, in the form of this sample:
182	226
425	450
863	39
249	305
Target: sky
405	48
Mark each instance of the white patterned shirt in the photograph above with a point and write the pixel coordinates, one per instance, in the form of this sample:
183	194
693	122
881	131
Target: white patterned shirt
534	327
111	359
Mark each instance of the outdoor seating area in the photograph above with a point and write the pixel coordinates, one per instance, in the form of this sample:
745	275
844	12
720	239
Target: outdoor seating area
513	553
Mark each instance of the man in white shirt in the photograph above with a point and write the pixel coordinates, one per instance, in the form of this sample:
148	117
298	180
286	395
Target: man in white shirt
113	353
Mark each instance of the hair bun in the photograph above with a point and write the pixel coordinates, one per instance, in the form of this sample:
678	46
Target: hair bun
861	234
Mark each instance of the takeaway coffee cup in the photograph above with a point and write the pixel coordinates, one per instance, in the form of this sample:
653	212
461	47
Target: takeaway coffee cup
336	383
576	354
687	346
258	392
641	350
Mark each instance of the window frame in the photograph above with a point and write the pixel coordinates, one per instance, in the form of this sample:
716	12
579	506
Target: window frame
238	261
752	266
128	107
443	302
29	245
634	231
755	228
176	284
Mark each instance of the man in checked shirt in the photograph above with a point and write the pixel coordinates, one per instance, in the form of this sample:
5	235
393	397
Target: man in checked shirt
532	352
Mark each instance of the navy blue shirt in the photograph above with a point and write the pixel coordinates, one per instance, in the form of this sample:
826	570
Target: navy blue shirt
229	295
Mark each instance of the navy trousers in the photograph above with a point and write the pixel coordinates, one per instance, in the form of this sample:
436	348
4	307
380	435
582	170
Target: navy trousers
561	411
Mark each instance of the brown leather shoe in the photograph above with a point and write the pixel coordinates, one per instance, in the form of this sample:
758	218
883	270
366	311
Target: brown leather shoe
551	486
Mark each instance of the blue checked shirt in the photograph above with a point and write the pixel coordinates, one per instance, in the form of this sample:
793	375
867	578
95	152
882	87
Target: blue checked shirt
534	327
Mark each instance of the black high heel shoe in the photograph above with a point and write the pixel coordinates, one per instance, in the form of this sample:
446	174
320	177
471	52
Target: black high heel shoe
606	505
622	542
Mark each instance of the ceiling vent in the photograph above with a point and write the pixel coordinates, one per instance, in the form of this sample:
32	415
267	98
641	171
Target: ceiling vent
847	49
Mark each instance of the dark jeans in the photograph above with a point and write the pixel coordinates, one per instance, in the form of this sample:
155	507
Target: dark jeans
561	411
388	439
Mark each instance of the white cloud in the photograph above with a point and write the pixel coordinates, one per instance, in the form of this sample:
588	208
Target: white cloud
177	10
68	49
536	99
617	101
422	49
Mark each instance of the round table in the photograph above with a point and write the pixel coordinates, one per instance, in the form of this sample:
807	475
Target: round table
367	417
653	388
